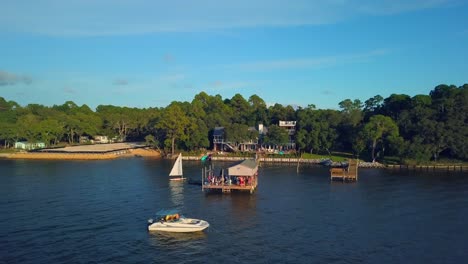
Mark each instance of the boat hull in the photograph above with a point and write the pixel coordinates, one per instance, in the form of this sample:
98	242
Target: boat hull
177	179
185	225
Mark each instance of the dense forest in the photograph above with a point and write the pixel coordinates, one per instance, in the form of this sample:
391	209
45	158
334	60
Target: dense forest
420	128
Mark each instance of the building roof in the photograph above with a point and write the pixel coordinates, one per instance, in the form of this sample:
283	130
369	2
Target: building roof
218	131
246	167
287	123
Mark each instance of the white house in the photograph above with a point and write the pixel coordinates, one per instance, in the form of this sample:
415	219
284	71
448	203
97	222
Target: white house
101	139
28	145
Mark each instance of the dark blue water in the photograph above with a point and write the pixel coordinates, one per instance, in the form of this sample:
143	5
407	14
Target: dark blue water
96	212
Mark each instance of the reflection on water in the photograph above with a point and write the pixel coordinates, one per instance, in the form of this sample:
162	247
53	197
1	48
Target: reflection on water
64	212
178	245
169	237
176	189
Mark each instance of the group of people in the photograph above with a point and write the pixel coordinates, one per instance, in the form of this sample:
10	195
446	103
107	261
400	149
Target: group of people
217	180
226	180
171	217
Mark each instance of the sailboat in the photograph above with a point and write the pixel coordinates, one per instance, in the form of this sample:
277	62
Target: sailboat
176	171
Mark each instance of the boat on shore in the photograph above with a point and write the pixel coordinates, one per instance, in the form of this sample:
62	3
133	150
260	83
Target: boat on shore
206	157
177	223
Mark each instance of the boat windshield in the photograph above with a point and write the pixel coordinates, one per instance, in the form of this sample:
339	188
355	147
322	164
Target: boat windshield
168	215
171	217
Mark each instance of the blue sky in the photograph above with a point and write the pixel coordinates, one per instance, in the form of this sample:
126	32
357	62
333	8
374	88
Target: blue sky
144	53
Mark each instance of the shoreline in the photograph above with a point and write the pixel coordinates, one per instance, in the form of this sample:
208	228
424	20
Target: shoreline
151	153
362	164
288	161
139	152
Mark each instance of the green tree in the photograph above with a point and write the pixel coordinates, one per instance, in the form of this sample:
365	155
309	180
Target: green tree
373	105
173	122
276	136
379	129
242	110
302	139
259	110
278	112
50	131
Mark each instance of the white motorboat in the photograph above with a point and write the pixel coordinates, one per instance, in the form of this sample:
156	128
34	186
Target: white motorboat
177	223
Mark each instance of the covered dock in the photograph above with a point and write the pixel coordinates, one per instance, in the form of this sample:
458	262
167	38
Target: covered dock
242	176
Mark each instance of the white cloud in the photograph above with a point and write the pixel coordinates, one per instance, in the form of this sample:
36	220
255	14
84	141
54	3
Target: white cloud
328	92
309	63
176	77
168	58
69	90
388	7
9	78
124	17
120	82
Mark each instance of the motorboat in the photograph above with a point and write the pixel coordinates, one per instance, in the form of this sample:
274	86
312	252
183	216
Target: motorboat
177	223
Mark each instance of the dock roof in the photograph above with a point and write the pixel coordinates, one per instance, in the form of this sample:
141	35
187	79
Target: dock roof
218	131
246	167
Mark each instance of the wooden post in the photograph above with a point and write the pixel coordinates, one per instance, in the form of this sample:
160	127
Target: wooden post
297	170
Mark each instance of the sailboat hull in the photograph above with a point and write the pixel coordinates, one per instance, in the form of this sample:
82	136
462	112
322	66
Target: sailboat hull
177	179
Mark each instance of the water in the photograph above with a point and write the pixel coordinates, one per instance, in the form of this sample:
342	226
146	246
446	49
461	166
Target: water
96	212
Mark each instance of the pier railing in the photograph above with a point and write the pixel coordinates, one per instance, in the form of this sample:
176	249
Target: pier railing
429	167
261	159
318	161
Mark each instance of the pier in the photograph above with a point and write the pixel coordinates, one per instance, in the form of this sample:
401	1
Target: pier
461	168
241	176
345	174
260	159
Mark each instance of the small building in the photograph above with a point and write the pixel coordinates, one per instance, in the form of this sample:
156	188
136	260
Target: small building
84	139
218	138
220	143
101	139
242	176
290	126
251	144
29	145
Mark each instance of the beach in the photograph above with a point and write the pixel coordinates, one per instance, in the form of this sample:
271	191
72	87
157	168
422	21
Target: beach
88	152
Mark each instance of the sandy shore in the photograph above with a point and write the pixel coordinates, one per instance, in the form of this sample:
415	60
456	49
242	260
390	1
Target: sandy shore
140	152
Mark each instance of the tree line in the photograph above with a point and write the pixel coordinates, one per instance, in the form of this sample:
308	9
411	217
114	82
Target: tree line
422	127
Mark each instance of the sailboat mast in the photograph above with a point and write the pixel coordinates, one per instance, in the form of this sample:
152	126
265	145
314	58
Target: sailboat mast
180	165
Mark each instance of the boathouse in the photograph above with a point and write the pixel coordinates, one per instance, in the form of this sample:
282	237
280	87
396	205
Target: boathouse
241	176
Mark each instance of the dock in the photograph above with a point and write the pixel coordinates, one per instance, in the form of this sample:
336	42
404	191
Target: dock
241	176
345	174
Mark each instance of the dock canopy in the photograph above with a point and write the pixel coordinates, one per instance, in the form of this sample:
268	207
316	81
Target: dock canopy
244	168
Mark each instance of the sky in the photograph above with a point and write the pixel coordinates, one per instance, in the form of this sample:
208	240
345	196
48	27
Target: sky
148	53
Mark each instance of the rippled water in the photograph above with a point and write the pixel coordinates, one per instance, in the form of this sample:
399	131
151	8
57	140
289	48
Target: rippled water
96	212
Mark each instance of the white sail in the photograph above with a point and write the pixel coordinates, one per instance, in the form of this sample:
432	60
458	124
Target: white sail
177	168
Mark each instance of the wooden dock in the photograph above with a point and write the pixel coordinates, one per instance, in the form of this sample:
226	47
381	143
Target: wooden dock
345	174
